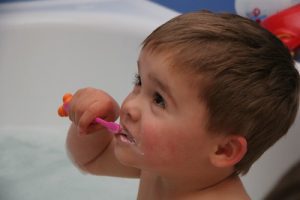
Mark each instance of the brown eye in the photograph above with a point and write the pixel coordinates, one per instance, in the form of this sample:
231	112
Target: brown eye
159	100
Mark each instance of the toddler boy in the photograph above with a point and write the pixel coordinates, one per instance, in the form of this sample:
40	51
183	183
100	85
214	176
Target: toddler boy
212	93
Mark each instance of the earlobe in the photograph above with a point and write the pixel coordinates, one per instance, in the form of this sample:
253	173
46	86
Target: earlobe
229	151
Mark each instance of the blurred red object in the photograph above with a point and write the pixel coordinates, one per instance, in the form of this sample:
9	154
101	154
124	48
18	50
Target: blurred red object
286	26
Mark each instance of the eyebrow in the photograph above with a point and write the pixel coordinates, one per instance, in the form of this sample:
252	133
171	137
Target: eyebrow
162	86
155	80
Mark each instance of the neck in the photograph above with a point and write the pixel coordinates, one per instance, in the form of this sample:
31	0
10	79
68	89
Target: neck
183	187
169	188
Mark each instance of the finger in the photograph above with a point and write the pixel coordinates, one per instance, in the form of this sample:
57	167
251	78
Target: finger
74	107
88	117
71	111
93	128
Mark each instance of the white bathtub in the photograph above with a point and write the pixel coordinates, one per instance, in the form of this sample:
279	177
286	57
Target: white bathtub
48	48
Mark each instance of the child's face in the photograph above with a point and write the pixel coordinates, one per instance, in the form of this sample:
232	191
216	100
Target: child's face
164	115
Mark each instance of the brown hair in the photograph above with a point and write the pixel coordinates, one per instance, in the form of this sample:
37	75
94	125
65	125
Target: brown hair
251	84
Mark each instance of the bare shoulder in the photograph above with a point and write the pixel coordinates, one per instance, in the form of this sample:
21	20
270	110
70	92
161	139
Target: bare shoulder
107	164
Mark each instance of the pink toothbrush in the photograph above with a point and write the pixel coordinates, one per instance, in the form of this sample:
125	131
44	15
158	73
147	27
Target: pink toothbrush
112	127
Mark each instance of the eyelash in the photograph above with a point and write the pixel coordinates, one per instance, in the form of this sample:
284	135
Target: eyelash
137	80
157	97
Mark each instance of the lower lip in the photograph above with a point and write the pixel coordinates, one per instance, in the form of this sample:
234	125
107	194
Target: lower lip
124	139
121	139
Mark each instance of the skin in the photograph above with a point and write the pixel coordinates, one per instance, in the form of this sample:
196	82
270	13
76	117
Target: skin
174	156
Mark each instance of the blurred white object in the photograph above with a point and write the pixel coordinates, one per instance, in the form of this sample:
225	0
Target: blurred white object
259	10
48	48
297	66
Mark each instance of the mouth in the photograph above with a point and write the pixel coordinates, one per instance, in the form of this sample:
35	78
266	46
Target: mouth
126	136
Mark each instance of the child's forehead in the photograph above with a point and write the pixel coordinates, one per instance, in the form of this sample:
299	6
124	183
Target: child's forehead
178	57
156	53
166	60
173	73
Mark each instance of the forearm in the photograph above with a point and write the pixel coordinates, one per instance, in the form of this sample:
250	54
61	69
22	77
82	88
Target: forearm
84	149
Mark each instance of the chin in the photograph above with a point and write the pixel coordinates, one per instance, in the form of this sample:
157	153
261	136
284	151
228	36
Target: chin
126	154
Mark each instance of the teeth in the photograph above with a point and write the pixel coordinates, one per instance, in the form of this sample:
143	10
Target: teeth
132	140
128	136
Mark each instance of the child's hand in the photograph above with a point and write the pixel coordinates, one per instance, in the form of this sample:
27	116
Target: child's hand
89	103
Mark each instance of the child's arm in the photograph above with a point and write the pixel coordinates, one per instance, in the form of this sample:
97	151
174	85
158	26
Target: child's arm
89	145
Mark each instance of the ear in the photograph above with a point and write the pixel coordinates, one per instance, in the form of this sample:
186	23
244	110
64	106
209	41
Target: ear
229	151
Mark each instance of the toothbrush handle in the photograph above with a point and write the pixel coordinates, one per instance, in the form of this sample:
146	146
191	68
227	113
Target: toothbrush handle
63	109
110	126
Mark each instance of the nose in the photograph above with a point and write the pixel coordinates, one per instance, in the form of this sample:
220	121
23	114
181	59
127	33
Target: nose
131	108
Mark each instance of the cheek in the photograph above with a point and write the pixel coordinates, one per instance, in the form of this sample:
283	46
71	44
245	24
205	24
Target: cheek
161	144
172	144
151	138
